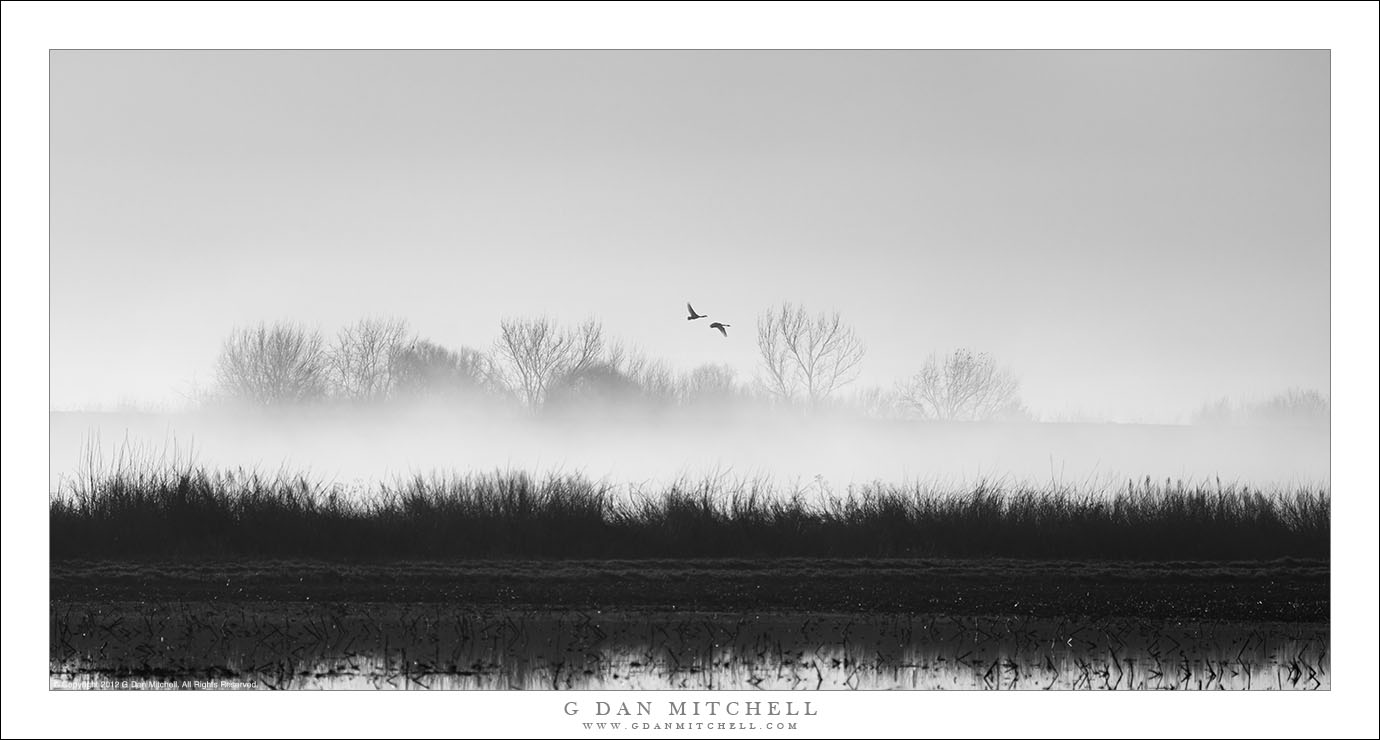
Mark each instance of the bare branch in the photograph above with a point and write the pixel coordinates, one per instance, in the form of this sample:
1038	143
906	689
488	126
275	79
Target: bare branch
364	358
282	363
806	357
535	352
963	386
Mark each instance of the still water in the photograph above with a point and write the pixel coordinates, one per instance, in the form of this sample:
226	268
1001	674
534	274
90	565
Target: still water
428	646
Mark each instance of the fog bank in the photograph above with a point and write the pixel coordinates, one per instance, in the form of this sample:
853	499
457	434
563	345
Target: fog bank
356	446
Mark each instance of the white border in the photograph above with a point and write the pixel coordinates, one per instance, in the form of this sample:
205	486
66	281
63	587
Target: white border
30	29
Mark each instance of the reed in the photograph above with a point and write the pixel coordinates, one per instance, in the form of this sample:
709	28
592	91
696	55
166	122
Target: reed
152	510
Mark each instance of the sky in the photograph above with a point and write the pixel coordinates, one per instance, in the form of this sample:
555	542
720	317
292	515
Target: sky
1132	233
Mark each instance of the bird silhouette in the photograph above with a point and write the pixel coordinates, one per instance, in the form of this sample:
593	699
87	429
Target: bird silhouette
723	328
694	315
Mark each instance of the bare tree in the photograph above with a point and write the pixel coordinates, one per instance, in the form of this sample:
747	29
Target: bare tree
535	352
425	368
597	387
278	364
364	358
1294	405
806	357
653	377
963	386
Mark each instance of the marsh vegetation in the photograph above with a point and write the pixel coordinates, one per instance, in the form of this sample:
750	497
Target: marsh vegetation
148	511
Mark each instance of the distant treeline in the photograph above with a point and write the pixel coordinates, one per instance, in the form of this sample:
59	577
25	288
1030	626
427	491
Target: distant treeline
166	511
806	361
1293	405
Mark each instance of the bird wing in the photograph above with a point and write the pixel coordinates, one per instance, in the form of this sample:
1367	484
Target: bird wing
721	329
690	308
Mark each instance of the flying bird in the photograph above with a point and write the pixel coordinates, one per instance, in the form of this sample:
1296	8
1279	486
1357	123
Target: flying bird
694	315
723	328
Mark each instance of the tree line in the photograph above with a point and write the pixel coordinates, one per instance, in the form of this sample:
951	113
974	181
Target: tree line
806	360
1292	406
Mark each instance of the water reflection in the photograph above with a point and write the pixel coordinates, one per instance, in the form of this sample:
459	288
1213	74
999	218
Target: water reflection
429	646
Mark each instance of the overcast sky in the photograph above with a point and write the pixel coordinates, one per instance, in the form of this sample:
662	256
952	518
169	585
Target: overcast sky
1134	233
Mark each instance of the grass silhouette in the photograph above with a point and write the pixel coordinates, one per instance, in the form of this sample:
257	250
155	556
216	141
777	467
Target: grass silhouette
158	510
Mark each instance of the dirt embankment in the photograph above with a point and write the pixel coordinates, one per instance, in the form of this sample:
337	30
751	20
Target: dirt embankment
1282	590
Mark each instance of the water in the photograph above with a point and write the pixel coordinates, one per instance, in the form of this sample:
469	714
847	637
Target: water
429	646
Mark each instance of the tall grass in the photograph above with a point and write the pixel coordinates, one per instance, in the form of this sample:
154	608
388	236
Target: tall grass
185	511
